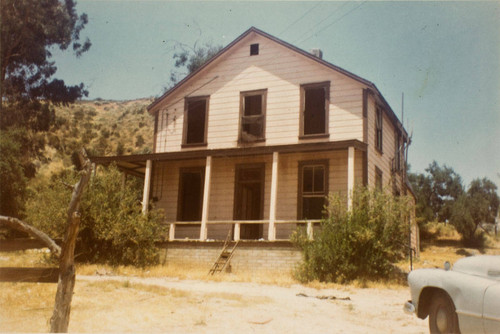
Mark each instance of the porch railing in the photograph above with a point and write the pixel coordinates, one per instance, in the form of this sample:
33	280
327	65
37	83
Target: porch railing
236	225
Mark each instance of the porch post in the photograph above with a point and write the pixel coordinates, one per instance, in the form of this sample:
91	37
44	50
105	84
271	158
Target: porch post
274	194
147	186
350	176
206	199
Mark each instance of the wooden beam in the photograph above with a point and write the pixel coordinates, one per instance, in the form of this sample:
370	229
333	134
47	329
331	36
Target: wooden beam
206	199
147	187
350	176
29	275
274	195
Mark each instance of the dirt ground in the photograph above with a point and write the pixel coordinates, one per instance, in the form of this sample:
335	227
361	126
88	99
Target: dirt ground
143	305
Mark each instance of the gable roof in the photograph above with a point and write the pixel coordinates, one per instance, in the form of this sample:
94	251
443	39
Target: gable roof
353	76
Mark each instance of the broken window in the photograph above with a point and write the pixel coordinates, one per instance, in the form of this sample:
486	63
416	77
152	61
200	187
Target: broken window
315	104
195	121
253	112
313	188
378	129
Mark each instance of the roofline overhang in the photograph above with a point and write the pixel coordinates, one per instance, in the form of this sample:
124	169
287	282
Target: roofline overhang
361	80
232	152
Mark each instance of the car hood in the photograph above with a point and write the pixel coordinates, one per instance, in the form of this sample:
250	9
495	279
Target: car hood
482	265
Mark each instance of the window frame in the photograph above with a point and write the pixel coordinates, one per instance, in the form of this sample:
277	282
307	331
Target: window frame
300	192
379	129
243	95
303	88
187	101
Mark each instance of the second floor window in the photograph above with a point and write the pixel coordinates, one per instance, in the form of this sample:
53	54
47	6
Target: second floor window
378	129
253	116
195	121
315	104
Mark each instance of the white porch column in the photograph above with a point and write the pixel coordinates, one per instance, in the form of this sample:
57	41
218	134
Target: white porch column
206	199
274	194
237	229
147	187
171	231
350	176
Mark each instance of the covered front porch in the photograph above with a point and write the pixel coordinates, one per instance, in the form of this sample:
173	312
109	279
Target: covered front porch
253	193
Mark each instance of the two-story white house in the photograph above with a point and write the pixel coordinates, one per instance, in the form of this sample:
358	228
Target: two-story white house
253	141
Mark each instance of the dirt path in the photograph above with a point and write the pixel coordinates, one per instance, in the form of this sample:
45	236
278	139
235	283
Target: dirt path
188	306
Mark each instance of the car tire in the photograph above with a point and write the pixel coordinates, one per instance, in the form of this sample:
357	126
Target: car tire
442	315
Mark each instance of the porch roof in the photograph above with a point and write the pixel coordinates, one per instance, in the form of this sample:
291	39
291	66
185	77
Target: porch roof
136	164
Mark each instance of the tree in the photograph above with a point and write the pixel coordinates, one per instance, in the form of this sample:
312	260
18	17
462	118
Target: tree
12	177
361	243
29	30
436	192
477	206
113	228
189	59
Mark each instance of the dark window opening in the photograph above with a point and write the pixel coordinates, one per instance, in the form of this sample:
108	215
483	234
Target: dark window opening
249	199
378	129
313	189
315	109
196	119
254	49
378	179
191	182
253	105
397	153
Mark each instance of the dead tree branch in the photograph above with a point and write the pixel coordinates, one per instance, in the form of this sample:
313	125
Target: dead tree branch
60	318
19	225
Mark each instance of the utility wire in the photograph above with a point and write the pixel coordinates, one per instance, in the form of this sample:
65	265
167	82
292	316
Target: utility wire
317	24
335	21
301	17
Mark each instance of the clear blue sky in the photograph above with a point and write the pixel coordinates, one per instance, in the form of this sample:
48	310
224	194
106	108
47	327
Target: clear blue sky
444	56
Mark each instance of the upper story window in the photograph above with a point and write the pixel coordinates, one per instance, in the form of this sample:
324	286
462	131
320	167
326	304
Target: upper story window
254	49
314	109
313	189
253	115
397	152
378	179
195	121
378	129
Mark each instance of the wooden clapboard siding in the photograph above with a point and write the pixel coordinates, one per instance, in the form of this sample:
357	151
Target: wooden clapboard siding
383	160
279	70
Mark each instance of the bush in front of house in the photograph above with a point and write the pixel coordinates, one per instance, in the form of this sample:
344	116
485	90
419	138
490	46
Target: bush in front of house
362	243
113	229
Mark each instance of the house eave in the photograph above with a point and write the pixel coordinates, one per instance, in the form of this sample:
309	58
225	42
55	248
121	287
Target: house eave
135	164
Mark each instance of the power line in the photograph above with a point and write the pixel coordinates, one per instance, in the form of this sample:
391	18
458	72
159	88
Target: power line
301	17
335	21
317	24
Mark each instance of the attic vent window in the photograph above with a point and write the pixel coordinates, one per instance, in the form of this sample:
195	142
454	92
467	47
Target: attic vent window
254	49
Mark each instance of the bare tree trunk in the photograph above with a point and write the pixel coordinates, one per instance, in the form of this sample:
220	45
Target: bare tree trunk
22	226
60	317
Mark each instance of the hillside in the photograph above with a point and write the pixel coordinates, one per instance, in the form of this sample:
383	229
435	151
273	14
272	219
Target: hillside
101	127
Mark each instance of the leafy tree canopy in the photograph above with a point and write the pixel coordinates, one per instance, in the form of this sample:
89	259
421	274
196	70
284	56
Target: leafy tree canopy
29	32
436	191
477	206
189	58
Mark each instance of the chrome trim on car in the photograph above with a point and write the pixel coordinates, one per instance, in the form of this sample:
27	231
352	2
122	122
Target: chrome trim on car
409	307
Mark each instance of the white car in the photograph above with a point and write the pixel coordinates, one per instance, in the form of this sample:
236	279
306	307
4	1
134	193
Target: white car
463	299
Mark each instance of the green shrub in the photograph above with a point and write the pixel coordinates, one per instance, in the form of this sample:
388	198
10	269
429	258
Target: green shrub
113	229
359	244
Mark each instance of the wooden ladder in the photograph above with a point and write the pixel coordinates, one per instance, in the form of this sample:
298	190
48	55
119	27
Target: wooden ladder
224	257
